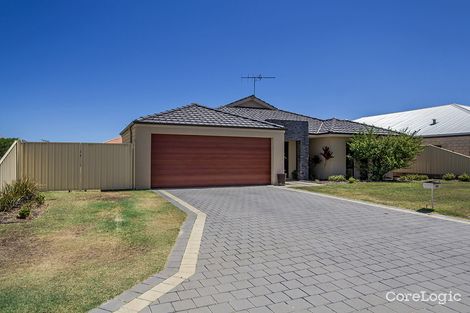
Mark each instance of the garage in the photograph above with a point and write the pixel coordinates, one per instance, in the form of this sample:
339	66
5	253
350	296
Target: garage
201	161
197	146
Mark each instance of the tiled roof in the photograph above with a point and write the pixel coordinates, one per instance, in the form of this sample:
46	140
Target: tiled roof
336	126
260	102
315	126
266	114
198	115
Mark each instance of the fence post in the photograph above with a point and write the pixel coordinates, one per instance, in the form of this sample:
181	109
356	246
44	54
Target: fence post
80	164
133	165
19	153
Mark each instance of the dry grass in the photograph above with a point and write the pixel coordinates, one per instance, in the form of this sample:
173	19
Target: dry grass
86	248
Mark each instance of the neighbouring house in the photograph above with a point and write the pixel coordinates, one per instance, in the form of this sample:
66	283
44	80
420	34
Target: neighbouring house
445	126
246	142
115	140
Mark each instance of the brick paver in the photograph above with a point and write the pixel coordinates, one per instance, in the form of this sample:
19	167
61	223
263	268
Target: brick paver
267	249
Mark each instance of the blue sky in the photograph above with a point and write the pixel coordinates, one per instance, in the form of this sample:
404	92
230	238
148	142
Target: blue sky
82	70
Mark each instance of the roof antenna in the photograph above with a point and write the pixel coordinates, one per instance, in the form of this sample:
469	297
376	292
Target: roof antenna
256	78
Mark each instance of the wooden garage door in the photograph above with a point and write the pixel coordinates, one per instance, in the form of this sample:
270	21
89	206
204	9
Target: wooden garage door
192	161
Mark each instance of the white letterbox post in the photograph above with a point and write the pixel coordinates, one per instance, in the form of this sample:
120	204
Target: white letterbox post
431	184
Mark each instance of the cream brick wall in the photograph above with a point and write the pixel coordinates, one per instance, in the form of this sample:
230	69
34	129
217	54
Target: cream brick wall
460	144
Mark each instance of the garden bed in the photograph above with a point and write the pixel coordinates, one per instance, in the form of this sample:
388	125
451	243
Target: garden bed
12	216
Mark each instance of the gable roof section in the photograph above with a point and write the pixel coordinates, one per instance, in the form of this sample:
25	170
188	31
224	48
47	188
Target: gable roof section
252	102
451	120
198	115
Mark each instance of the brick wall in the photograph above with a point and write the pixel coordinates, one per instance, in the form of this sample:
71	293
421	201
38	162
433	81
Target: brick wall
460	144
297	131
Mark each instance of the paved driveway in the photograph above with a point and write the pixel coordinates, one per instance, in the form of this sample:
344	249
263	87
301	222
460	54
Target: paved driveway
267	249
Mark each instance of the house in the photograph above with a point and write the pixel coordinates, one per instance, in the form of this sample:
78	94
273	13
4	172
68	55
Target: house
445	126
246	142
115	140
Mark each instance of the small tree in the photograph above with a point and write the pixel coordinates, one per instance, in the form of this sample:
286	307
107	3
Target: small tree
381	154
5	144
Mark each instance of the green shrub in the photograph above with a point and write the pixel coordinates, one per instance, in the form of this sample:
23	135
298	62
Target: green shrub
464	177
25	211
337	178
380	154
421	177
8	198
352	180
295	175
18	193
413	177
448	176
40	199
404	178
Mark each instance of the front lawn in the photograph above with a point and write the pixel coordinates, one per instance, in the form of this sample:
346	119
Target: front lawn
85	248
453	198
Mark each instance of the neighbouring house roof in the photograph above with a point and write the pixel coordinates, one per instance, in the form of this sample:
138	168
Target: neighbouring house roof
115	140
243	107
450	120
198	115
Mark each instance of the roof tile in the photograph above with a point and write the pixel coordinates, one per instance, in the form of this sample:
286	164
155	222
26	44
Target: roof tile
198	115
315	126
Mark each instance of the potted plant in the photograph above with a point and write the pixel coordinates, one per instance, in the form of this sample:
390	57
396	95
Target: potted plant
326	154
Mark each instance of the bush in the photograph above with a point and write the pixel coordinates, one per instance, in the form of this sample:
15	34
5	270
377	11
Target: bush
18	193
413	177
25	211
352	180
379	154
421	177
337	178
295	175
464	177
448	176
40	199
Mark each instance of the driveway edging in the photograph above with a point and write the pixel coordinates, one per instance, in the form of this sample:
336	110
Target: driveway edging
181	264
434	215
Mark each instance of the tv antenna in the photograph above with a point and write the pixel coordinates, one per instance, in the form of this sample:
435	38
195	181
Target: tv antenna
257	78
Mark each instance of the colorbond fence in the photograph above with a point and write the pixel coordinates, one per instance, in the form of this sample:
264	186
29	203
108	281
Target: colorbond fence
8	168
438	161
70	166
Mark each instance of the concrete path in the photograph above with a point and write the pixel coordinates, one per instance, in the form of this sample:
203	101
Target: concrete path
267	249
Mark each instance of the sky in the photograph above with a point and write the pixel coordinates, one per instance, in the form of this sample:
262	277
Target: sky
83	70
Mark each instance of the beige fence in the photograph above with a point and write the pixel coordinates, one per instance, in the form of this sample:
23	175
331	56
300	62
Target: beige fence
73	166
107	166
8	166
437	161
